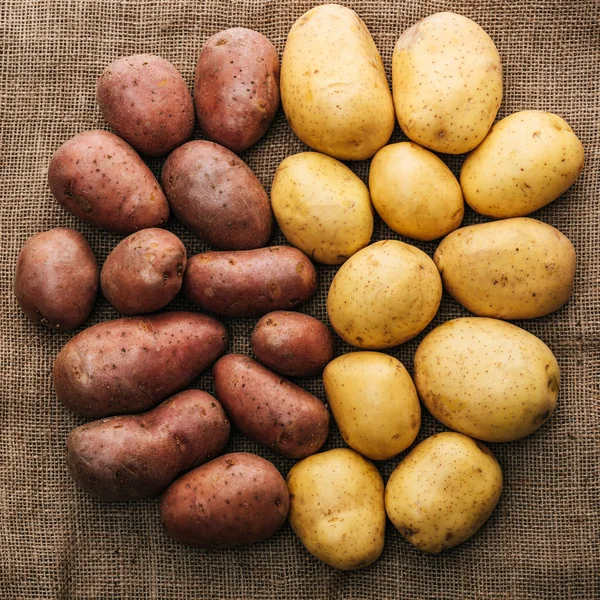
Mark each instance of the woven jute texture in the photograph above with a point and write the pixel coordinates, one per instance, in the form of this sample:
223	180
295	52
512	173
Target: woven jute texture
56	542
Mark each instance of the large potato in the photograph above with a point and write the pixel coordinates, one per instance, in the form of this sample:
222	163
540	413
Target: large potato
523	268
384	295
529	159
333	85
322	207
486	378
337	508
447	82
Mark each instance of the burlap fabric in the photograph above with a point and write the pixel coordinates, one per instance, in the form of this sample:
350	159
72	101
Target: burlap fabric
57	542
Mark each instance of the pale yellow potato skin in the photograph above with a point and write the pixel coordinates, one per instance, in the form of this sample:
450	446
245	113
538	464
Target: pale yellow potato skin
447	83
528	160
333	86
337	508
374	402
384	295
321	207
514	269
414	192
443	491
487	378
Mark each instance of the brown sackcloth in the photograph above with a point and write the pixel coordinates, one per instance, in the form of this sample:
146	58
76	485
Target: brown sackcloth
57	542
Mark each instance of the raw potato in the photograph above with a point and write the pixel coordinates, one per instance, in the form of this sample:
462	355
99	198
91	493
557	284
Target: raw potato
384	295
374	403
235	499
56	278
447	83
443	491
486	378
523	268
137	456
333	85
529	159
322	207
414	192
337	508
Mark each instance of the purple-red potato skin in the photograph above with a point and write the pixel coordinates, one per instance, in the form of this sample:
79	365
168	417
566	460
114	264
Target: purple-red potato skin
144	272
233	500
236	89
56	278
146	101
130	365
137	456
101	179
250	283
270	410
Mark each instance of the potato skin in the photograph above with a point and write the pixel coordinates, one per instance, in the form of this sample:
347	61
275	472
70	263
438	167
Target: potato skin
56	278
236	90
129	365
217	197
144	272
268	409
146	101
137	456
102	180
236	499
250	283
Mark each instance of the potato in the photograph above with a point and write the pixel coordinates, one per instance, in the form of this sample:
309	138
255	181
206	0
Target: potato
268	409
146	101
523	268
292	344
99	178
384	295
528	160
414	192
236	499
337	508
217	197
447	83
250	283
144	272
486	378
130	365
56	278
137	456
236	89
374	403
333	86
321	207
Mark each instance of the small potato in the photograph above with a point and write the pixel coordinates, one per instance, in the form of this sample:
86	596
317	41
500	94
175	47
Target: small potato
235	499
268	409
292	344
443	491
137	456
102	180
56	278
236	89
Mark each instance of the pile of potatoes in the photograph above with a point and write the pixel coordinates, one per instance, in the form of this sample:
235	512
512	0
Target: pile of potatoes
482	377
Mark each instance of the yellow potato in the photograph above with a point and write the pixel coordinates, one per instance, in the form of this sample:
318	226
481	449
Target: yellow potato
321	207
447	83
443	491
523	268
529	159
414	192
374	403
337	508
384	295
486	378
333	86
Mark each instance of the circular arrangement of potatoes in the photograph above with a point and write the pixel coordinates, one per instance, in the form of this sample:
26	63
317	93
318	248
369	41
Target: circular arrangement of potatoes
480	376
